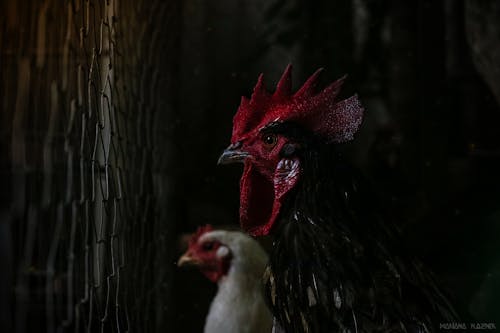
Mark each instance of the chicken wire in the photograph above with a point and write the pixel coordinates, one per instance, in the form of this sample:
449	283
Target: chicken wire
84	128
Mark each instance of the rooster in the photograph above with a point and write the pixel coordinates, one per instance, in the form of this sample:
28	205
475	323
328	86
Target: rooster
335	265
235	262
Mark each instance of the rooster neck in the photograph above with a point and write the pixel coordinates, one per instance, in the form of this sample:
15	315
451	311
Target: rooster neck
312	262
336	264
331	194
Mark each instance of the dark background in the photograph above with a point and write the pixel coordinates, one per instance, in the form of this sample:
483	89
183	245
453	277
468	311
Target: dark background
427	72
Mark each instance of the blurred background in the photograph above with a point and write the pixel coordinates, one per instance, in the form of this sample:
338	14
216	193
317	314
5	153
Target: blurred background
113	114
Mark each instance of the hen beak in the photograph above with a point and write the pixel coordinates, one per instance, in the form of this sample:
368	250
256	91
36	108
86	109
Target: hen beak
232	155
187	260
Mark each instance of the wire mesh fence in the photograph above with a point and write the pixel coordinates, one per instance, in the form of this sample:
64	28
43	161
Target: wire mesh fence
84	128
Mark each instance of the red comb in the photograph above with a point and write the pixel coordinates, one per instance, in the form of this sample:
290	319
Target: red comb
200	231
336	121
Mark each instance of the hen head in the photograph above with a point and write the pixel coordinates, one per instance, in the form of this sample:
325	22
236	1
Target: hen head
272	165
211	256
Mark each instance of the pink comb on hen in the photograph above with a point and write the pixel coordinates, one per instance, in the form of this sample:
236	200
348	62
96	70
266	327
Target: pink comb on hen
199	232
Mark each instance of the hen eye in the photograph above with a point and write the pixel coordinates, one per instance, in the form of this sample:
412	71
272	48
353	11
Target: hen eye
269	139
207	246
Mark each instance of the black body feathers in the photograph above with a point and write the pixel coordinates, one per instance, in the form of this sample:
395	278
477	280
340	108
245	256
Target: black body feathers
336	265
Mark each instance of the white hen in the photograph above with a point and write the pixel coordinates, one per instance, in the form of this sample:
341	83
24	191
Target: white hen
236	263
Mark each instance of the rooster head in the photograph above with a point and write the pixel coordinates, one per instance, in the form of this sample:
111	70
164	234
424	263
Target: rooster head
272	165
208	253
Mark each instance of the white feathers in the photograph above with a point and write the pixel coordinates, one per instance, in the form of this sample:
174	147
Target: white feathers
239	304
222	252
337	299
310	297
247	255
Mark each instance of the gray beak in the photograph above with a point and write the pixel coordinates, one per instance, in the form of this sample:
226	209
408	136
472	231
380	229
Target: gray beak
232	155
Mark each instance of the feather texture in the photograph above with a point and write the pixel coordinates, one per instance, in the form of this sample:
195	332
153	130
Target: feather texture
239	305
336	265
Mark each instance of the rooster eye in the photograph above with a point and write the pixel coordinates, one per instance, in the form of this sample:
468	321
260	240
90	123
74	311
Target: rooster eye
269	140
208	246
